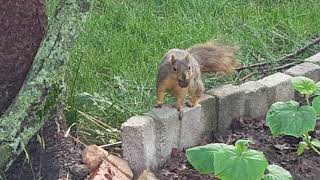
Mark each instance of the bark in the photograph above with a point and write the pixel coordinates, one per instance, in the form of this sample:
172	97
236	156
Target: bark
43	88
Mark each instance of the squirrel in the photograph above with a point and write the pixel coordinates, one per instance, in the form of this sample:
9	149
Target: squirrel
180	71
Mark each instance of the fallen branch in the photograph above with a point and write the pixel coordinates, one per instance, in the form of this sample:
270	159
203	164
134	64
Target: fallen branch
266	63
248	76
299	51
288	57
267	70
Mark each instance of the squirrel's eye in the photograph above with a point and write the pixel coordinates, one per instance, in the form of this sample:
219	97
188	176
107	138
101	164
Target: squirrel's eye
189	67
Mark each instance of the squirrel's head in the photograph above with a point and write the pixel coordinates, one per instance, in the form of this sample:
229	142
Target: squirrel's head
182	69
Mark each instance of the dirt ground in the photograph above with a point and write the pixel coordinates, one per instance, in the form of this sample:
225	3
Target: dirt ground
280	151
58	156
22	27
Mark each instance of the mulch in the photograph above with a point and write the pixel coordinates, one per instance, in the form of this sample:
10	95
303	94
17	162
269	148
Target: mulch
280	151
23	25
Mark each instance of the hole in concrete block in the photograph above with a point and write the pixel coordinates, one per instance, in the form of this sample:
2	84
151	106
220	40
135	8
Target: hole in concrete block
23	25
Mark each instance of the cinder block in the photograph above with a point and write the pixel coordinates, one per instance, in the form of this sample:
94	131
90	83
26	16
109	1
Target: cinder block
192	128
306	69
167	125
138	143
182	134
256	101
279	87
230	102
209	115
314	59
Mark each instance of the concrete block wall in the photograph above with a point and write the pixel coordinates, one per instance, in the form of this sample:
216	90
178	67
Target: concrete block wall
314	59
148	140
229	105
306	69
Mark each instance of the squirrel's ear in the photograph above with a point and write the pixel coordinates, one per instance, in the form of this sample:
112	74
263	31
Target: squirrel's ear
173	62
188	58
173	59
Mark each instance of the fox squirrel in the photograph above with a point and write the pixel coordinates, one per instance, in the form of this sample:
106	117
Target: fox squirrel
180	71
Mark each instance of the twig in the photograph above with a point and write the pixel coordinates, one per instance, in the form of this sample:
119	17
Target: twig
315	41
253	65
266	70
286	57
77	140
285	66
265	63
248	76
109	145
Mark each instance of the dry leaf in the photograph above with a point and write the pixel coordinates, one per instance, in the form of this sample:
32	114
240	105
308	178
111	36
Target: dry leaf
106	171
92	156
120	164
105	166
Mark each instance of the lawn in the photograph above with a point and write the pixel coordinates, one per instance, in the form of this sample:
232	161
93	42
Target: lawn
111	74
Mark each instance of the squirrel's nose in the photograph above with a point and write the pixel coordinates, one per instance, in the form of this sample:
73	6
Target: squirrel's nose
183	83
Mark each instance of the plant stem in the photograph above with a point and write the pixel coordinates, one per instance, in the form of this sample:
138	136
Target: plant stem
307	99
308	141
315	149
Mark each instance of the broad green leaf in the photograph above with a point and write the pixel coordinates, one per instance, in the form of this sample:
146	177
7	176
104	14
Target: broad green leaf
201	157
287	118
275	172
304	85
301	147
232	165
317	92
316	104
316	143
241	144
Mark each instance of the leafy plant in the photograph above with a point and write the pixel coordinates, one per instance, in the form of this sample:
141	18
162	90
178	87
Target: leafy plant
237	162
287	118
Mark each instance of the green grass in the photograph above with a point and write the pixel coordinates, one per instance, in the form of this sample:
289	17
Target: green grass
115	59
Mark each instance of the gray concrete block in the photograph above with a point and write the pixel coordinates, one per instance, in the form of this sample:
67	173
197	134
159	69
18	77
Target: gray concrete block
192	128
256	101
182	134
138	143
230	103
314	59
279	87
167	125
306	69
209	115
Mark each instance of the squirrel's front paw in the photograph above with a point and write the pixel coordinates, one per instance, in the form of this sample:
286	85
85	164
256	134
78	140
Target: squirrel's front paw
189	104
179	108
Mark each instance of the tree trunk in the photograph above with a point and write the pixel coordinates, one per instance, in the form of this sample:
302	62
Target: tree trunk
42	92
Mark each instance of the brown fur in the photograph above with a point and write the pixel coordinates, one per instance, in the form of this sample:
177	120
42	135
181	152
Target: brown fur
180	71
214	57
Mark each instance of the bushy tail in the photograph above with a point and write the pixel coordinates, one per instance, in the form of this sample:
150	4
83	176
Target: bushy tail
214	57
